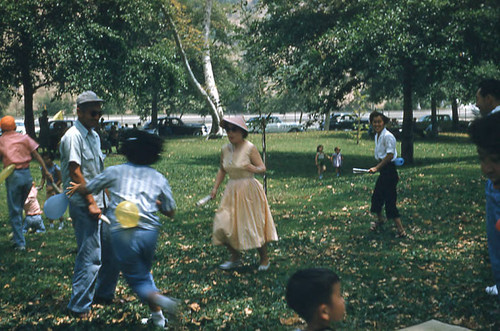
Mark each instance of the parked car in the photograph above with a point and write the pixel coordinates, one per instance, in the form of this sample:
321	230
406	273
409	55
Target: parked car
345	121
110	123
274	124
423	125
174	126
20	127
57	129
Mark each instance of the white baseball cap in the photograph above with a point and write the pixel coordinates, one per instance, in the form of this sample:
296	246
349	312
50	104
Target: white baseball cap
87	96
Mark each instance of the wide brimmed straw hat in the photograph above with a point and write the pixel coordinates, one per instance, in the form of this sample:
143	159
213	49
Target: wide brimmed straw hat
239	121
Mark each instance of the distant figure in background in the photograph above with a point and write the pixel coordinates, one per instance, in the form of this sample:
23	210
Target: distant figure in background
43	137
18	149
33	220
320	161
113	137
488	96
316	296
337	160
385	188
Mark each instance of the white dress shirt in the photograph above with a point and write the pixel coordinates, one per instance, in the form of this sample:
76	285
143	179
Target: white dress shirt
385	143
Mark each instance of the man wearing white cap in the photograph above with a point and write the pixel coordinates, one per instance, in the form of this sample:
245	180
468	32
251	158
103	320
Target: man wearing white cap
82	160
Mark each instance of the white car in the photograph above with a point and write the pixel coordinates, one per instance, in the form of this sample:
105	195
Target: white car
20	127
274	124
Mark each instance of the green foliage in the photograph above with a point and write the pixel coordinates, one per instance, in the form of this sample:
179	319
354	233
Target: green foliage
388	283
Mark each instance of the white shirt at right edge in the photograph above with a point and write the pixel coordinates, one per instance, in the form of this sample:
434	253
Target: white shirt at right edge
385	143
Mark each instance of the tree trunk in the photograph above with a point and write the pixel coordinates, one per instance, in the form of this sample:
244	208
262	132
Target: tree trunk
208	100
454	113
434	124
207	70
28	89
154	108
407	136
327	121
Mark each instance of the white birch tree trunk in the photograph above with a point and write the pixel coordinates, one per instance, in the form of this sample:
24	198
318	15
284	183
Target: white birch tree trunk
212	107
207	68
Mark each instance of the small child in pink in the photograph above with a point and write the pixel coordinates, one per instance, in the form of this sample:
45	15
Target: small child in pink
33	219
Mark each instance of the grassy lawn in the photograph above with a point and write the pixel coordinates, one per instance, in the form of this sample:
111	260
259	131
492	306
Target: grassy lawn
388	283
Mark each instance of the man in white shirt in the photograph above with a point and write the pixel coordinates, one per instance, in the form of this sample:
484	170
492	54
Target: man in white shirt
488	97
82	160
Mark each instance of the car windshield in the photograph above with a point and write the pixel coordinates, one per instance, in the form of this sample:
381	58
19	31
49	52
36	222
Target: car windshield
424	118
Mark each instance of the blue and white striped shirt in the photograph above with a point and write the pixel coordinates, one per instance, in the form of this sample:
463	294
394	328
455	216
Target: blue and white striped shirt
139	184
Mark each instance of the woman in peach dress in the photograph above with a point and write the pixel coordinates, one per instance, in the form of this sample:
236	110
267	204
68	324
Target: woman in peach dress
243	220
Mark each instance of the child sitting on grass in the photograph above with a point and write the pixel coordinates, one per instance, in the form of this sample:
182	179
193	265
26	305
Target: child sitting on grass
53	187
315	295
33	220
136	182
485	133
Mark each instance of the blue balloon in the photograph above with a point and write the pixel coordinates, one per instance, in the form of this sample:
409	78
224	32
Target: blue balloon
56	206
399	161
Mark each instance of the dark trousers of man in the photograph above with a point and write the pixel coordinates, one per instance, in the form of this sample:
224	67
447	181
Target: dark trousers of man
385	192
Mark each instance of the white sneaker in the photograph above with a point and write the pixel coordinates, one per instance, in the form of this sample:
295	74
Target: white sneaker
492	290
228	265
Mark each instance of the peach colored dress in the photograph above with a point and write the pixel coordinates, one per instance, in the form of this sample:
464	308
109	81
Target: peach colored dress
243	219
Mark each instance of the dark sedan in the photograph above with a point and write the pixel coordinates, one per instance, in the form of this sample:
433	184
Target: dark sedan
174	126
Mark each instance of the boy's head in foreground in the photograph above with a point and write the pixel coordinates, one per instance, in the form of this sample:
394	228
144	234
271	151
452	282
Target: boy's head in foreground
141	147
485	133
315	295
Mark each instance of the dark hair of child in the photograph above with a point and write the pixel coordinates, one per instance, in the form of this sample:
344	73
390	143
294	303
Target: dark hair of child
485	133
48	155
141	147
309	288
317	148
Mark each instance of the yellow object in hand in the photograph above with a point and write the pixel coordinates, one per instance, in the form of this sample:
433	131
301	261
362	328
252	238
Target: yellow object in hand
127	214
6	172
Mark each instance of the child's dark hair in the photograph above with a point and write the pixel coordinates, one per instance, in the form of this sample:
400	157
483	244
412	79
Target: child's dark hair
141	147
317	148
377	114
48	154
309	288
485	133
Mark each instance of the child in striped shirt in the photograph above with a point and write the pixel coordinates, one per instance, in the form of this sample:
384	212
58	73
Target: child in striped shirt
134	247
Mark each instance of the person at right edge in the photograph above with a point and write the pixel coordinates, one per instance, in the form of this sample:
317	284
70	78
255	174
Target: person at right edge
484	132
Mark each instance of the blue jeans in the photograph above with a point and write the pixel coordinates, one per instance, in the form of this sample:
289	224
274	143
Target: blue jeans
135	250
34	222
18	187
89	277
492	216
